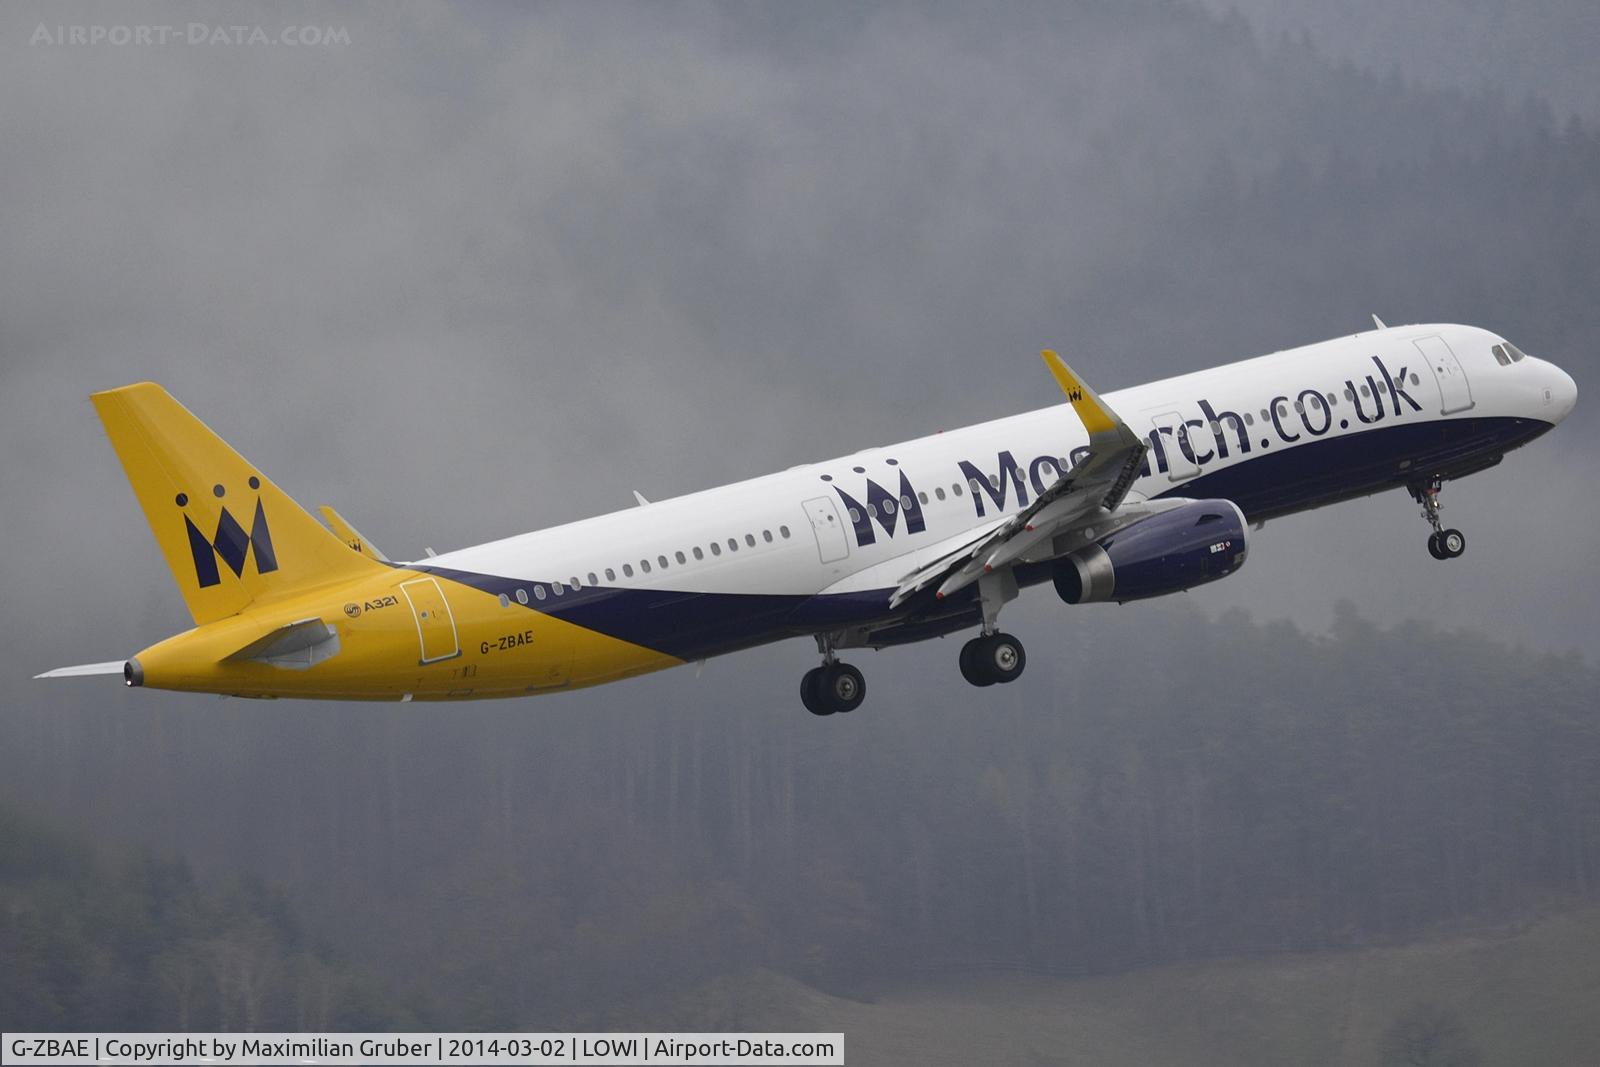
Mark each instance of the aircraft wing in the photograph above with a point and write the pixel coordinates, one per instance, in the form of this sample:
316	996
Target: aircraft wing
1090	497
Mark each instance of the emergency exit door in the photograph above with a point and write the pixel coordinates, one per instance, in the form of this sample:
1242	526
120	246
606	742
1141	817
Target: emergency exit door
436	626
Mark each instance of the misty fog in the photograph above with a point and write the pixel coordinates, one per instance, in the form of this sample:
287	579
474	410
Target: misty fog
484	270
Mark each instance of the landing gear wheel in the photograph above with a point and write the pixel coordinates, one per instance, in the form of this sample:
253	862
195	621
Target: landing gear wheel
992	658
841	687
1452	543
811	692
1434	549
1004	658
971	668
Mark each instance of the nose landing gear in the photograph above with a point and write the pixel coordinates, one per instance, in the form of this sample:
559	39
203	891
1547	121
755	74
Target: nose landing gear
1442	543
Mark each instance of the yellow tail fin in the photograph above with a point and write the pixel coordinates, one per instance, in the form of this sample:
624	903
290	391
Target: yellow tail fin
229	535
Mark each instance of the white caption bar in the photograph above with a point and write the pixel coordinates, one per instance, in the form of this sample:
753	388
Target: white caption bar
424	1048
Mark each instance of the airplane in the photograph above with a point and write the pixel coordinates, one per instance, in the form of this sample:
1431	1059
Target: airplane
1147	491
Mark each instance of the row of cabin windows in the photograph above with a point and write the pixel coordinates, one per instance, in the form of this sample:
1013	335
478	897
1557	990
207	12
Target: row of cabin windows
904	503
573	584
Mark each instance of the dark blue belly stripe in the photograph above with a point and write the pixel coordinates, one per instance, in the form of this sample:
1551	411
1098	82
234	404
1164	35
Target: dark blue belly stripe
1322	472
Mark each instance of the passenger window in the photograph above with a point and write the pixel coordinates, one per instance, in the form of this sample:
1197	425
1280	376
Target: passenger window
505	601
1414	379
783	531
872	509
698	554
611	575
627	570
680	557
538	591
888	507
644	565
905	502
939	492
716	549
1266	416
956	489
766	535
750	539
522	596
1249	419
593	580
733	545
557	588
573	583
855	516
662	560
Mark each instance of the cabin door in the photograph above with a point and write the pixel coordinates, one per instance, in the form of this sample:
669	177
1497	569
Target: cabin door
1455	393
831	543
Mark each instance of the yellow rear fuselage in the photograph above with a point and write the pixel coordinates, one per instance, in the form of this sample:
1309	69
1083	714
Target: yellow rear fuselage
400	634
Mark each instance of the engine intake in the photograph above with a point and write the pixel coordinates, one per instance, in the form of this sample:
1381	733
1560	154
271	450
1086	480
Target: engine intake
1193	544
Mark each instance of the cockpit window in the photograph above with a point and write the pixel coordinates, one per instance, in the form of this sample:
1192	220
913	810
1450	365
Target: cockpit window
1500	356
1516	354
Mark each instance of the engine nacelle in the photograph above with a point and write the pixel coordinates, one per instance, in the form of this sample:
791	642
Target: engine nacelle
1190	545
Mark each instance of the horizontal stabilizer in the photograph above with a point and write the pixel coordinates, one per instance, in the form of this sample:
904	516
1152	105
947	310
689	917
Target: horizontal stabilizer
350	535
83	670
297	645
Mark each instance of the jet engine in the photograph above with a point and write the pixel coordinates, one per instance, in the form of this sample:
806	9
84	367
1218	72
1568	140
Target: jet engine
1197	542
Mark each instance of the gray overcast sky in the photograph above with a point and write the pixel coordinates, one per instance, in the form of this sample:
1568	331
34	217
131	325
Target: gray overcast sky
487	269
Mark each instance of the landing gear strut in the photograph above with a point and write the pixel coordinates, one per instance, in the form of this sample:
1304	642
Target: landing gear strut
1442	543
832	687
992	656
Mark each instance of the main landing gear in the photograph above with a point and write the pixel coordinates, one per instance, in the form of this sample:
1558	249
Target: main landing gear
1442	543
991	658
832	687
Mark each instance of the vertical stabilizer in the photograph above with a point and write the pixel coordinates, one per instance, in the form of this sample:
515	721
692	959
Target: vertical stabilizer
228	533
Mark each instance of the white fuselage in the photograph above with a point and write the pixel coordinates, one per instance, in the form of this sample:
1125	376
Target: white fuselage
1377	396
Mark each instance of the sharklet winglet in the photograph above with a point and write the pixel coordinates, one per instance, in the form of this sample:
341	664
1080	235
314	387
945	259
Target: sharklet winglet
1096	417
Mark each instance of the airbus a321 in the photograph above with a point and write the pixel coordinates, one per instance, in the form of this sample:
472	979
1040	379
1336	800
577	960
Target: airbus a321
1146	491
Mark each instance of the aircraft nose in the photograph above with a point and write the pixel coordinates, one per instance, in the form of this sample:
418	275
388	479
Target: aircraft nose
1561	394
